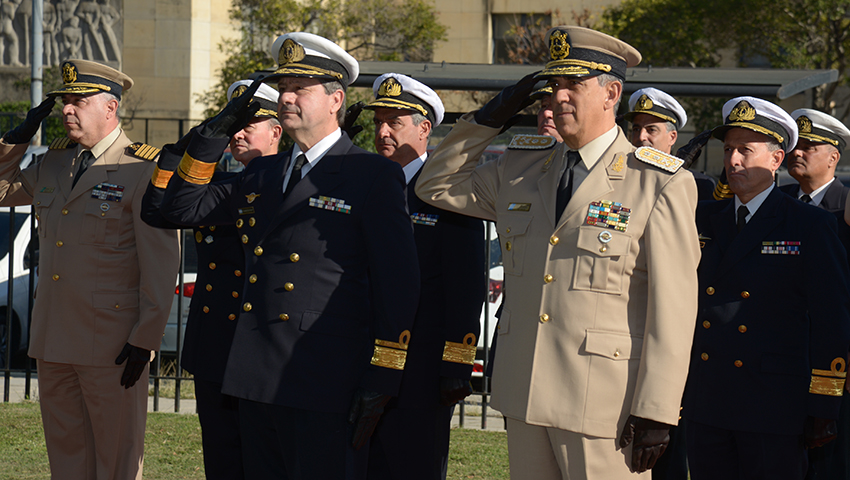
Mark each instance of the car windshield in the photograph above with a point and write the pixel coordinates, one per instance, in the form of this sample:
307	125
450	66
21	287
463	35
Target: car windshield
20	219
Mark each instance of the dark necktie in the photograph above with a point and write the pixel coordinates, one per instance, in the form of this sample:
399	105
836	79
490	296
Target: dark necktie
565	187
742	217
806	198
86	159
296	174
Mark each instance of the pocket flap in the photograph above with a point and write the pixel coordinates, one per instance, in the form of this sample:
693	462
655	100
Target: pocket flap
595	240
613	345
43	199
513	224
111	210
115	300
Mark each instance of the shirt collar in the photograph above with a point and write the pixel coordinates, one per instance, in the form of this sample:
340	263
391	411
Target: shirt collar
755	203
318	150
411	168
593	150
103	144
818	194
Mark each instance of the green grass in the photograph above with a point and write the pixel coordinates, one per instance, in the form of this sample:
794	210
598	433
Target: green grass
173	448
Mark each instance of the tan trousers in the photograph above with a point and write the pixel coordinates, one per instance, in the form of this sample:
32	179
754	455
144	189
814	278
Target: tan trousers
541	453
94	427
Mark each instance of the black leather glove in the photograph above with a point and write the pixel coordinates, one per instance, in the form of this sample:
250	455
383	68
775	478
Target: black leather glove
234	116
817	432
366	410
510	101
691	151
351	114
650	440
454	390
137	360
23	133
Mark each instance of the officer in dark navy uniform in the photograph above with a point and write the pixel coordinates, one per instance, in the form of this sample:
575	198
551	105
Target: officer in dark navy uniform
330	262
412	438
768	362
215	302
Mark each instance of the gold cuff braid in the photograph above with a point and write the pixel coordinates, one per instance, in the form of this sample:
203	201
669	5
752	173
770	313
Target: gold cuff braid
195	171
829	382
461	352
160	178
391	354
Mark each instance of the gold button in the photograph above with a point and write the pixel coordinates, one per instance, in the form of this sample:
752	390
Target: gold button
252	221
709	290
212	228
206	309
212	266
508	230
742	328
38	203
508	246
199	237
294	257
258	250
209	287
739	363
544	318
60	243
239	223
232	316
704	356
745	294
64	211
554	240
55	277
252	279
102	214
117	306
616	353
288	286
603	248
244	238
706	324
548	278
238	273
283	317
235	294
246	306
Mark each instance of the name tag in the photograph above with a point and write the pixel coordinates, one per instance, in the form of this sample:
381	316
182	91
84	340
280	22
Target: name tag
519	207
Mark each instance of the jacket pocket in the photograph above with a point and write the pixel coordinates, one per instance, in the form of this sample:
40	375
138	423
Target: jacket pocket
101	223
42	202
513	229
613	345
601	260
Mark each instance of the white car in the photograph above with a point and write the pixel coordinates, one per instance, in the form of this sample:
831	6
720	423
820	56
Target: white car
20	270
168	347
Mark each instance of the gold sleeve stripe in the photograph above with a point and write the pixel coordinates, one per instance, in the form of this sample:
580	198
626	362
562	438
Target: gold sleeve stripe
161	177
389	358
829	373
403	341
833	387
721	191
463	352
195	171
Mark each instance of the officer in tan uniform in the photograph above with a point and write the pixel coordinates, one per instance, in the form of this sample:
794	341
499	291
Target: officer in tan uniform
107	279
596	332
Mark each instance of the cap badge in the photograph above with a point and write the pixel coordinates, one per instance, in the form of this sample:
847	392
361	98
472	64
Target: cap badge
559	47
252	196
69	73
804	124
742	111
290	52
239	91
389	88
644	103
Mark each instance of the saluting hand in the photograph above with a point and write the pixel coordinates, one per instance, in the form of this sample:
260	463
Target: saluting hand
25	131
235	115
500	110
351	114
137	360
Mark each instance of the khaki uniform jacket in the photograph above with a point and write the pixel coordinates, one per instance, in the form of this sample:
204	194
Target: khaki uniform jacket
105	277
591	332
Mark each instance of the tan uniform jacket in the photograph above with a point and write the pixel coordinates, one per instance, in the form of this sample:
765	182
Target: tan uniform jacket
590	331
105	277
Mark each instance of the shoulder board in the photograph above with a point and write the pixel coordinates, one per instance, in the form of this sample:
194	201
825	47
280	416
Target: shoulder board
659	159
61	144
532	142
143	151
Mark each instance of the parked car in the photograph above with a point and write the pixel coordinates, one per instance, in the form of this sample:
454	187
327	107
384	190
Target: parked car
18	335
180	308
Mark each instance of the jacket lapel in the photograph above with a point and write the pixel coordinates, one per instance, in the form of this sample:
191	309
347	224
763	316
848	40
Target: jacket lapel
414	203
547	184
98	172
765	220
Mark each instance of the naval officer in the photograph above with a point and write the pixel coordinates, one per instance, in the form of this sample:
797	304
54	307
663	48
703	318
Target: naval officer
107	278
215	304
600	254
412	439
769	362
331	268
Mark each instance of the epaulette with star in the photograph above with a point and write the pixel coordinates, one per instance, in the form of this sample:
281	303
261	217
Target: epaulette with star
532	142
62	143
659	159
143	151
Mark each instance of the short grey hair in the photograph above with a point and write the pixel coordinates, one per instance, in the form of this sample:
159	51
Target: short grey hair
670	126
607	78
772	145
111	96
418	118
330	87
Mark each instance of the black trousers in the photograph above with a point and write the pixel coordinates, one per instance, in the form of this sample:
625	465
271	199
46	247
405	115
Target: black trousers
830	462
673	465
285	443
219	417
411	444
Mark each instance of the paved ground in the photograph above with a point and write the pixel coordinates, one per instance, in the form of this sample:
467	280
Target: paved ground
471	418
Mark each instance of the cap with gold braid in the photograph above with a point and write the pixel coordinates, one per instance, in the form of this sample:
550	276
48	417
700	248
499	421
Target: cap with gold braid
301	54
394	90
582	52
540	93
819	127
759	116
82	77
652	101
266	96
